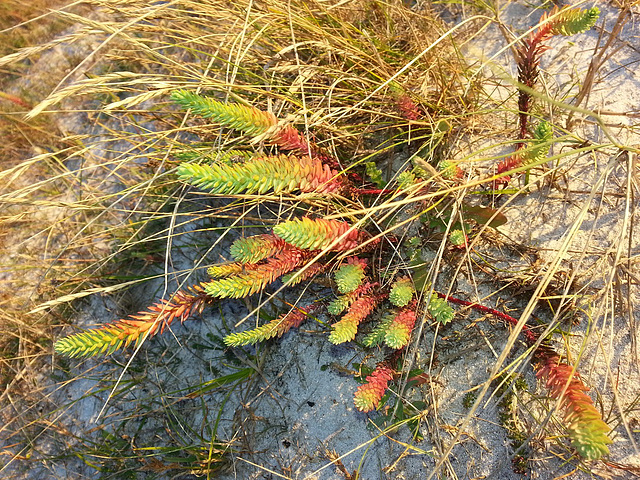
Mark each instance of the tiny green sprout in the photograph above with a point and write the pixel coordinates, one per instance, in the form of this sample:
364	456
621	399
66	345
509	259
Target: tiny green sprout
469	399
406	179
457	238
374	173
401	292
440	310
349	277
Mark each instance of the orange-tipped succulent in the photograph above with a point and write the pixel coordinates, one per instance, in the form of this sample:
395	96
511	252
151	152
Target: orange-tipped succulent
566	21
256	248
585	427
249	120
261	260
368	396
306	169
262	174
275	328
255	277
157	318
319	234
398	332
360	308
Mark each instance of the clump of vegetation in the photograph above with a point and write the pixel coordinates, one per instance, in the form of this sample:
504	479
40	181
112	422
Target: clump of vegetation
347	178
299	246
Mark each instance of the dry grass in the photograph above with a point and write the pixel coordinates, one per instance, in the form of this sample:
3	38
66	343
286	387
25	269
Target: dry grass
24	229
91	208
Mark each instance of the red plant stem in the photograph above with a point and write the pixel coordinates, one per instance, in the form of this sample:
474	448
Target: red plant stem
528	58
354	176
15	99
372	191
531	337
333	164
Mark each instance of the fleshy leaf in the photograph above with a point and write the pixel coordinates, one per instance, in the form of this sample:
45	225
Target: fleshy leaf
345	330
450	170
225	269
542	135
378	333
440	310
368	396
349	276
484	215
279	174
337	306
340	304
374	173
308	272
586	429
399	330
256	248
571	21
401	292
275	328
405	179
458	238
318	234
255	278
145	324
249	120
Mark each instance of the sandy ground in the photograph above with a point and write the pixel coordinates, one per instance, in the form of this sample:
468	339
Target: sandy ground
297	414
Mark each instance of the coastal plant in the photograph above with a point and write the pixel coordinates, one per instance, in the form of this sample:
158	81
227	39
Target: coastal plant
312	245
368	396
564	21
382	309
586	429
136	328
400	136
